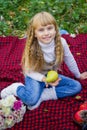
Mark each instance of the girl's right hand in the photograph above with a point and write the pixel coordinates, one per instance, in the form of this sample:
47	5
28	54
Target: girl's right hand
51	83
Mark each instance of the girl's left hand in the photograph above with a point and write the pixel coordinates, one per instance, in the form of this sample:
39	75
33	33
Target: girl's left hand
54	83
83	75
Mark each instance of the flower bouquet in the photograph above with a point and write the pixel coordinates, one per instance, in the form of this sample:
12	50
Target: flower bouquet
11	112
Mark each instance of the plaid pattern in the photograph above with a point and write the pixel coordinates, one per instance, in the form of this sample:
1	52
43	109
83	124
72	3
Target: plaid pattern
51	115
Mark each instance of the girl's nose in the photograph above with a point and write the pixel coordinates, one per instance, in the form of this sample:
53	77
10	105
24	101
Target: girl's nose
46	32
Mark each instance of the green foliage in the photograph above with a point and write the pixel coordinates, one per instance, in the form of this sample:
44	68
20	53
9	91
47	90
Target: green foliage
15	15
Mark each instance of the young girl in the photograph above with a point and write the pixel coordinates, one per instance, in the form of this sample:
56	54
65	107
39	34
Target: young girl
45	50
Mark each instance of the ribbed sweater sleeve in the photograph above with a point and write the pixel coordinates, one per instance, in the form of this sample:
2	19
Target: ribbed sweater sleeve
69	59
35	75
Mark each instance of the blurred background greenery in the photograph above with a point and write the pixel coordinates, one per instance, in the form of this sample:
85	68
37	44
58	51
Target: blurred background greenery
71	15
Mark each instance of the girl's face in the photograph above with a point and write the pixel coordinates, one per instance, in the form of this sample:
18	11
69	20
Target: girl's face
45	34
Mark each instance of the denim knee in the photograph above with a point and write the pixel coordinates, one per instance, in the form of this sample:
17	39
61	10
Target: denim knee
78	87
69	88
31	92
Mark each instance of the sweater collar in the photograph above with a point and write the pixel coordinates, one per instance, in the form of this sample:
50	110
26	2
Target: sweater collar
49	45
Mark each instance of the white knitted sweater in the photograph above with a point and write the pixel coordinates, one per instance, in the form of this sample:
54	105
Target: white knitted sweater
49	57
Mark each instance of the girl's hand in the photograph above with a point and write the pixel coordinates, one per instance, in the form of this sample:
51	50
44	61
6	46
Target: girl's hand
83	75
54	83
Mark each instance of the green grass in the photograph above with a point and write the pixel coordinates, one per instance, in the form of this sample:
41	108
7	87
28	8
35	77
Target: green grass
71	15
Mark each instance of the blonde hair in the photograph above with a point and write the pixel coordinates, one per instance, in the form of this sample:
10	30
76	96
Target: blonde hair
33	57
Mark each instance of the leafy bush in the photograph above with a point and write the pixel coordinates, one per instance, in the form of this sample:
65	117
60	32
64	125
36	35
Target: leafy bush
71	15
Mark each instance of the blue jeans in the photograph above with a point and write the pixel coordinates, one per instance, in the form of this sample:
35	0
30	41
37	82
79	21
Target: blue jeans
67	87
31	93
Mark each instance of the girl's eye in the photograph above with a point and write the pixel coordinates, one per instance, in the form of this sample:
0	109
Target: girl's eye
41	30
49	28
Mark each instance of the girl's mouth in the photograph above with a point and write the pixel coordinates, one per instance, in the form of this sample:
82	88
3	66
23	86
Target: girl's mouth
46	37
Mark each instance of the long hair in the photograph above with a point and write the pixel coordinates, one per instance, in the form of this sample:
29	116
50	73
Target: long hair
32	58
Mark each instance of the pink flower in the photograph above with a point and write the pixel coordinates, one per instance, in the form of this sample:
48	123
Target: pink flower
17	105
1	121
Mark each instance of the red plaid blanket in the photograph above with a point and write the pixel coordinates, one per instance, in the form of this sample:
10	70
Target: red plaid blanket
51	115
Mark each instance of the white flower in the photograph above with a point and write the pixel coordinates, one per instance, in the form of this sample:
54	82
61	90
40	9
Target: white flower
6	110
1	121
8	101
72	35
23	110
9	120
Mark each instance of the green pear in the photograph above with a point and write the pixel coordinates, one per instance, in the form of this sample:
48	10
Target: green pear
52	76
